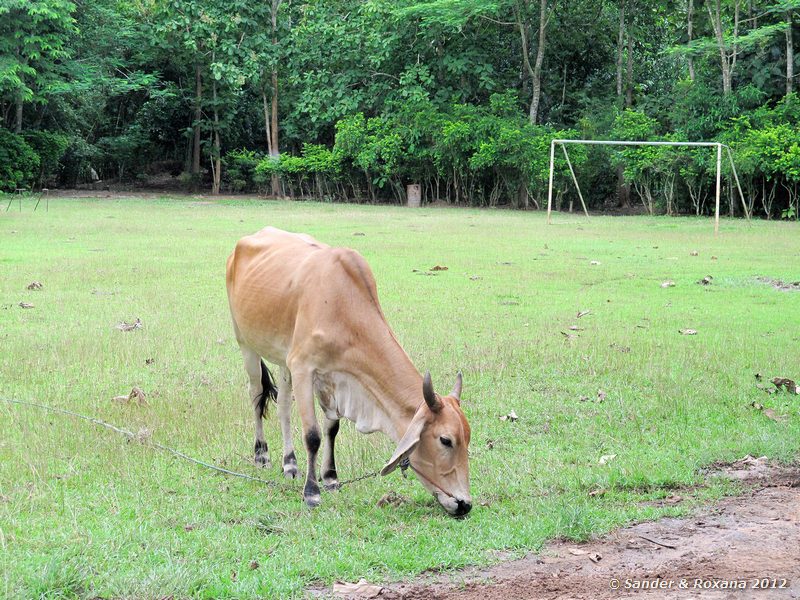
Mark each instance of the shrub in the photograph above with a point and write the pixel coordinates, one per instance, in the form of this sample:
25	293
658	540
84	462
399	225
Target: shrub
240	169
50	147
19	163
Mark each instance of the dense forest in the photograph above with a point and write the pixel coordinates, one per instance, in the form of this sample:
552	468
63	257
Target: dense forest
355	99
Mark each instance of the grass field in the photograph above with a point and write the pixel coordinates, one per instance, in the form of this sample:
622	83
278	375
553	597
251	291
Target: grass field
85	513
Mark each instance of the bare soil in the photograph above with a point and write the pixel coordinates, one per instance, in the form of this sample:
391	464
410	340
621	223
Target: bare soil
746	538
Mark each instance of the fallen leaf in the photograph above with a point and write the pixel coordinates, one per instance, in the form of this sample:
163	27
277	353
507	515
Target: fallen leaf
575	328
569	336
693	253
595	557
667	284
362	589
474	278
597	492
512	416
771	414
595	262
584	398
391	499
705	280
359	233
758	376
606	458
439	268
138	395
149	361
34	285
757	405
125	326
787	384
583	313
578	552
713	258
601	396
688	331
25	305
188	527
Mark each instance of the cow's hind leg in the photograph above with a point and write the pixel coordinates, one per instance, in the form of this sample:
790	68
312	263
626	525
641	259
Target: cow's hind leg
302	384
285	417
330	479
261	390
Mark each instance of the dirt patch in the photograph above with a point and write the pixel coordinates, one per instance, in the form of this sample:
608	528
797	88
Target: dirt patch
780	285
740	540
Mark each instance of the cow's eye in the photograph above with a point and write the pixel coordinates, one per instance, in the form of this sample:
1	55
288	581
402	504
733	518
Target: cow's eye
446	441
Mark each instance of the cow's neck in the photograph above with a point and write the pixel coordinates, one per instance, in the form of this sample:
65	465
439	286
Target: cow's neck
395	386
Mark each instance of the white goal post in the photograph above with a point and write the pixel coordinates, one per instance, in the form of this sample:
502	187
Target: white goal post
719	146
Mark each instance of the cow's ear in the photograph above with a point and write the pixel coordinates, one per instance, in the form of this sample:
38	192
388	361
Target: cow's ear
406	445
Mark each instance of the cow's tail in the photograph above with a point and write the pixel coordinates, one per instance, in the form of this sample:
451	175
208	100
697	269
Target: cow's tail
269	392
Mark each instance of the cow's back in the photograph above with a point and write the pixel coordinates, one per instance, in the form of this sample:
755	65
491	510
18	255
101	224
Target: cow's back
287	288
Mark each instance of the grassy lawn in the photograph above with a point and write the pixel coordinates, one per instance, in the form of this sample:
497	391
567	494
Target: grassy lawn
84	513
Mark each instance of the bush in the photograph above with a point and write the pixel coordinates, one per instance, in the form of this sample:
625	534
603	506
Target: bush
19	163
50	147
240	170
77	161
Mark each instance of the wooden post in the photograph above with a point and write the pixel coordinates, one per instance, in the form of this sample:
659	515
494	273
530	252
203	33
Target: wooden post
719	168
550	185
575	180
738	185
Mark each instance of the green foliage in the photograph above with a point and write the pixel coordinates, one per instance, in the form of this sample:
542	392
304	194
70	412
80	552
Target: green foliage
19	163
50	147
241	169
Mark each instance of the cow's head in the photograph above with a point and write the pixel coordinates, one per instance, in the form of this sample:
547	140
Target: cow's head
436	445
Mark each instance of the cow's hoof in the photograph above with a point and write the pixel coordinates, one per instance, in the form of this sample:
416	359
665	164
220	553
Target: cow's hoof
312	501
331	485
290	472
262	460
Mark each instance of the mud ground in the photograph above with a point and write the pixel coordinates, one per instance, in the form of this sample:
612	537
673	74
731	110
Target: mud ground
755	536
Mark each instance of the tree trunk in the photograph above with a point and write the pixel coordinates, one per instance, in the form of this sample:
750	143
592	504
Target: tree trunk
198	115
274	151
267	127
18	121
789	54
629	75
216	158
536	83
727	59
689	31
620	47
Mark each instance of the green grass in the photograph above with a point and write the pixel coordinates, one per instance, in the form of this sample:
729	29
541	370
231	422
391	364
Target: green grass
84	513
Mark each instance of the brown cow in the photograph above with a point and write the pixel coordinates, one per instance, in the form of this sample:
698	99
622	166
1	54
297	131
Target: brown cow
313	310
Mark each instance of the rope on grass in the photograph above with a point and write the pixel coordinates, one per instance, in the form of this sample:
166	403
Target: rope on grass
132	436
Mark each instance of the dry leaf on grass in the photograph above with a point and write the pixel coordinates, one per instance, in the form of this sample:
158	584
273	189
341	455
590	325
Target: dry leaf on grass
391	499
601	396
583	313
254	565
667	284
125	326
606	458
595	262
687	331
136	394
705	280
713	258
34	285
362	589
787	384
694	253
512	416
25	305
595	557
439	268
771	414
474	277
568	336
597	492
578	552
359	234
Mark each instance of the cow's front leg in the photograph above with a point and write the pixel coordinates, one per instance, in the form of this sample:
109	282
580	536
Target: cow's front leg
329	477
302	384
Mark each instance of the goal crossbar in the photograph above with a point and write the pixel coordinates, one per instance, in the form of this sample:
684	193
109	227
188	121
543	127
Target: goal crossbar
718	145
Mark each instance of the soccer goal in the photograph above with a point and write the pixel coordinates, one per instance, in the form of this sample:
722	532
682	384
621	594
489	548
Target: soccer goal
719	146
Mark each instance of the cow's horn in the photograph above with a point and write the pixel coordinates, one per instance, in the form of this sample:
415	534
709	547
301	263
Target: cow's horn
456	393
427	392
